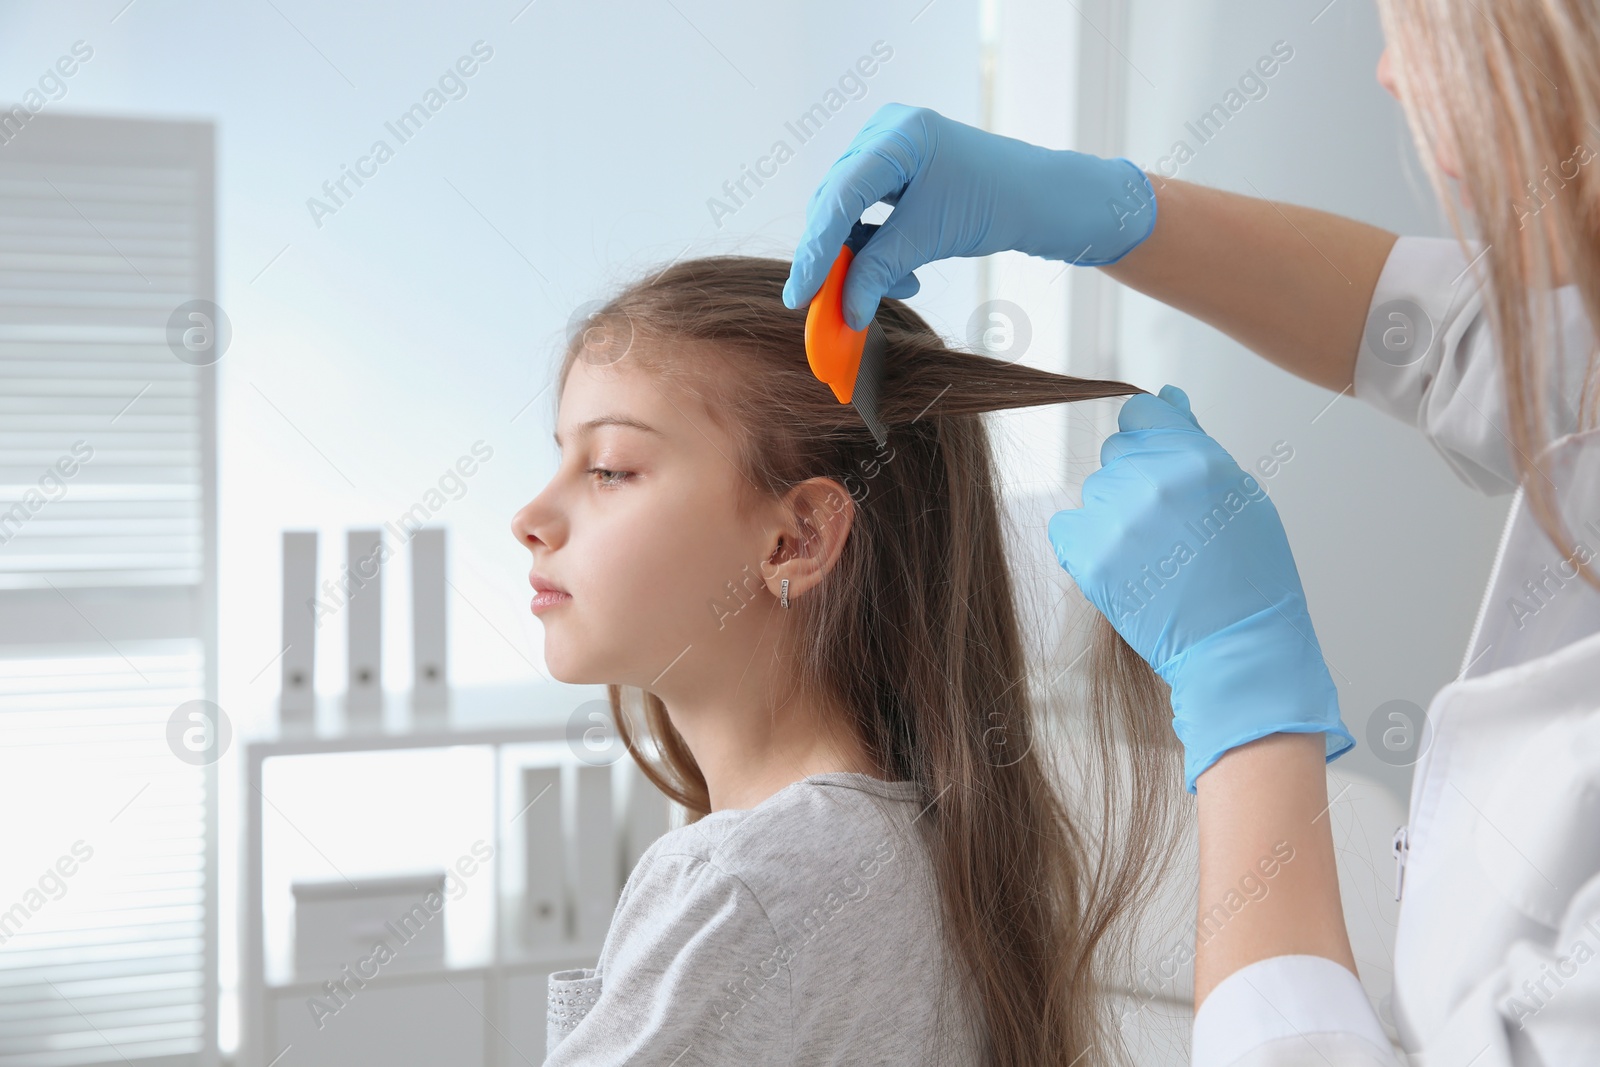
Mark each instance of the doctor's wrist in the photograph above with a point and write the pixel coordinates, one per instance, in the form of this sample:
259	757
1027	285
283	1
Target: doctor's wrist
1261	812
1258	678
1103	209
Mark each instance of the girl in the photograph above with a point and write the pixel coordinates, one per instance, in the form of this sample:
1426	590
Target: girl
882	863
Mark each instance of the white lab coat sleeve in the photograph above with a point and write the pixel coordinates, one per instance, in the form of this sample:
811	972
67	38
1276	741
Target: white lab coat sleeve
1290	1011
1428	357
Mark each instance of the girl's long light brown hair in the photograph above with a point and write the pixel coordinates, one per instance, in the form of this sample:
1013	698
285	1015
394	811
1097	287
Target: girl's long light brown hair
916	632
1511	90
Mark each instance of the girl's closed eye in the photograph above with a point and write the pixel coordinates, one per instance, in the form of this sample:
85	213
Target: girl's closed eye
618	476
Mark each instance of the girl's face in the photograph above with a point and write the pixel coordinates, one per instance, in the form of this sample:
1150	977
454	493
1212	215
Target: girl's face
638	527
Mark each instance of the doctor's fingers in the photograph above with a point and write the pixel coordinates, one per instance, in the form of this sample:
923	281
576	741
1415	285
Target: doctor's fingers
905	287
856	181
1167	409
1075	536
1166	452
883	268
1128	488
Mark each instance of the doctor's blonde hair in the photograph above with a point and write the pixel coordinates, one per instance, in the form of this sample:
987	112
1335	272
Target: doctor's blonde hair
1042	853
1510	89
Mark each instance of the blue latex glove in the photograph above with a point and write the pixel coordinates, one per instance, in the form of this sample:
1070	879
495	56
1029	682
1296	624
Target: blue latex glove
960	191
1185	554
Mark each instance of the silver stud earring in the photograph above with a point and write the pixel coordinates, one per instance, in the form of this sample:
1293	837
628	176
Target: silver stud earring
783	592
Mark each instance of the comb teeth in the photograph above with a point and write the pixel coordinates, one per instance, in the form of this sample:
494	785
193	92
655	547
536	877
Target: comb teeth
869	380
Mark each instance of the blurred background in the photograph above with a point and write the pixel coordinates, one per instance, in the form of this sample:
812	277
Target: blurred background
282	288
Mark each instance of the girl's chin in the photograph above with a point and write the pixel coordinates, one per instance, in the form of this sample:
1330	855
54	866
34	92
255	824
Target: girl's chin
576	668
570	672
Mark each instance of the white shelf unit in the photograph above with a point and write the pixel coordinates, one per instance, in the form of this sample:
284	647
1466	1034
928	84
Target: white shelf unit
488	1010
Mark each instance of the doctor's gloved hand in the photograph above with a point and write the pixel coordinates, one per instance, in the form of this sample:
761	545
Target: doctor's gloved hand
1185	554
961	191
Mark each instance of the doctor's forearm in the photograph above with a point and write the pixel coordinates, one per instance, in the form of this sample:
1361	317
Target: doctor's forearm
1290	283
1269	885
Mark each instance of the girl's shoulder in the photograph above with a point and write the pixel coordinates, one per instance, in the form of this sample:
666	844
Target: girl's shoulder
836	851
817	829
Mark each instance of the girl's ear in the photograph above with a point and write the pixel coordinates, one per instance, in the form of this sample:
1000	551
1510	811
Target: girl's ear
814	521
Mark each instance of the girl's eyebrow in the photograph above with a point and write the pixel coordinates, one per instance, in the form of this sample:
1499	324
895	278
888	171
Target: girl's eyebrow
611	420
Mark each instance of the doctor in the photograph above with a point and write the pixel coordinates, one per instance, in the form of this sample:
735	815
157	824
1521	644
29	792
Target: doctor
1486	346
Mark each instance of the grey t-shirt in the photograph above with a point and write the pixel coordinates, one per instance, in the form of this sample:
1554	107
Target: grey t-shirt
803	931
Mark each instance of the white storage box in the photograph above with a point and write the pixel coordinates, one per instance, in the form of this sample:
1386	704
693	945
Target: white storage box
394	923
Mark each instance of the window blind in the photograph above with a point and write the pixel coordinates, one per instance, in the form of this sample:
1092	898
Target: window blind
107	593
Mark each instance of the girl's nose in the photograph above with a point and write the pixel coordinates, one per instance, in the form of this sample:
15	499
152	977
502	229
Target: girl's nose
526	524
1386	75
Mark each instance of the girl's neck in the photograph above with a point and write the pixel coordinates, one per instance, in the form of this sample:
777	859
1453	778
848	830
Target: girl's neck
747	755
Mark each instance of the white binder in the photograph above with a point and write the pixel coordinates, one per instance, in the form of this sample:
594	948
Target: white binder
430	682
545	911
297	694
593	849
363	702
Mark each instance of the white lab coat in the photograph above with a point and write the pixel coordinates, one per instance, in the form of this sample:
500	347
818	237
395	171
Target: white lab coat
1497	950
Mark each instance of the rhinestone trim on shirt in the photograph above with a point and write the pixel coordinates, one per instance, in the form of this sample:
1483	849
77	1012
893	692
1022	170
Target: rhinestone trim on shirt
566	1007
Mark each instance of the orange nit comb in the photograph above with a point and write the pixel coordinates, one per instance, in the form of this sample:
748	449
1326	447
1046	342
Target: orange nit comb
850	362
832	347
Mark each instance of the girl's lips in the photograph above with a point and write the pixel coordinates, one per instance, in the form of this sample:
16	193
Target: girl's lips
548	599
546	594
